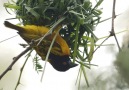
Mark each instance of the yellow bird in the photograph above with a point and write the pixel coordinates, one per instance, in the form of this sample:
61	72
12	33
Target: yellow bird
59	55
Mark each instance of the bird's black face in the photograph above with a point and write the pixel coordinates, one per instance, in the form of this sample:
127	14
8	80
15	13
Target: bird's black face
61	63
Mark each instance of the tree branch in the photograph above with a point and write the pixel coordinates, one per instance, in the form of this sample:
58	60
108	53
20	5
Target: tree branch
21	70
112	33
15	59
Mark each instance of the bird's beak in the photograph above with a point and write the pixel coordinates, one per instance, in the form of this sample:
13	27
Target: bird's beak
71	64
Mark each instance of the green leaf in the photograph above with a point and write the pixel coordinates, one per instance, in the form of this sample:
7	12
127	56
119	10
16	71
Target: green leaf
85	76
76	42
31	10
87	4
11	6
98	4
92	44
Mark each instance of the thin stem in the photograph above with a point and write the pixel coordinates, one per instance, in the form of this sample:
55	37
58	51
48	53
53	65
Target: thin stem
21	70
78	76
85	76
112	33
101	43
79	83
15	59
108	18
98	46
8	38
49	53
76	42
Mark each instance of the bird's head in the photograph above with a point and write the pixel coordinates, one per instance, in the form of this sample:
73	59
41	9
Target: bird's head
61	63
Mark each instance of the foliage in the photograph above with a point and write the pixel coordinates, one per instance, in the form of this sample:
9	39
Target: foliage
38	67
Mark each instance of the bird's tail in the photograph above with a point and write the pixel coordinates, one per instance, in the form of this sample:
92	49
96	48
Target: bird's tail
12	26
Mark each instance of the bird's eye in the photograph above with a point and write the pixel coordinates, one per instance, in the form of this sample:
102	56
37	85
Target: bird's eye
64	63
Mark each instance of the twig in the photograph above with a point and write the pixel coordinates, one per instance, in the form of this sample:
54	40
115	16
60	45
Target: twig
98	47
21	70
101	43
108	18
15	59
112	33
8	38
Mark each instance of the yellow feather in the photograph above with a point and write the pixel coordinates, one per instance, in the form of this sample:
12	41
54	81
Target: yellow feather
32	32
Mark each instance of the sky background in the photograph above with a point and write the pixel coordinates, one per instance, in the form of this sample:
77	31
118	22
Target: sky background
54	80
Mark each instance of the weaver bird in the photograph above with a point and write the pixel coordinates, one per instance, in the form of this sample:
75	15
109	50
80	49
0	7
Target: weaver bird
59	54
